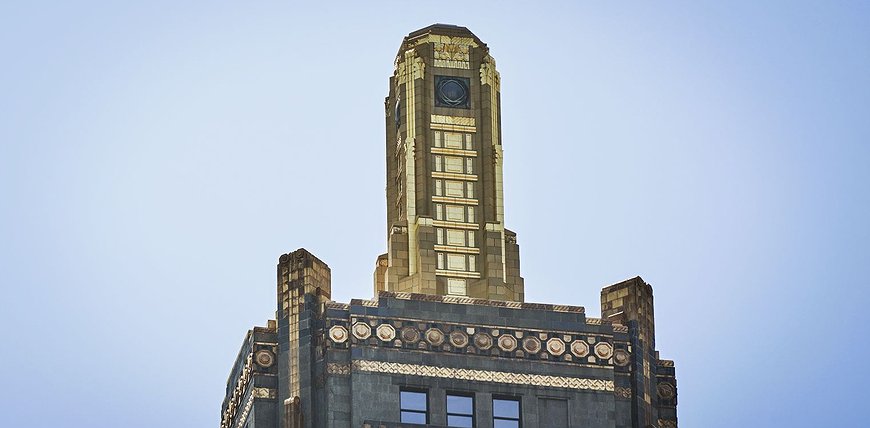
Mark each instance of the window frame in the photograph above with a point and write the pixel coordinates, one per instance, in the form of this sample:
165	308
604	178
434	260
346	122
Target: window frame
403	410
518	400
447	411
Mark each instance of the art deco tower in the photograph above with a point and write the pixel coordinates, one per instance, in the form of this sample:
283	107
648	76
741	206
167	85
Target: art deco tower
447	339
445	203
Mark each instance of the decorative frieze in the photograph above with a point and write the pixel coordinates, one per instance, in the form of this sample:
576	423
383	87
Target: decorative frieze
474	375
621	392
338	369
505	342
485	302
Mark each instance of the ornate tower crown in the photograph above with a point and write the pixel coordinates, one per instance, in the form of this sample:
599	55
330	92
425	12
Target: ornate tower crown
445	203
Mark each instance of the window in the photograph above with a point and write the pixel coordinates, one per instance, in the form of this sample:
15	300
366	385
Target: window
453	140
456	287
456	237
455	213
456	261
413	407
454	164
454	189
505	413
460	410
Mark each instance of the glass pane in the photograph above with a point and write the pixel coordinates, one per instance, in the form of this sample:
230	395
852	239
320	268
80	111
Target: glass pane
501	423
413	400
437	139
505	408
413	417
459	421
459	404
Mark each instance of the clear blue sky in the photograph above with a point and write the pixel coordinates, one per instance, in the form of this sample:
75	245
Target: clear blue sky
157	157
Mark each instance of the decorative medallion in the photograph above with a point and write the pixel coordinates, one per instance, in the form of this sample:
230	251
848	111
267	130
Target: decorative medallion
666	391
531	344
621	357
482	341
410	335
507	343
362	331
386	332
338	334
603	350
458	339
264	358
451	92
556	346
579	348
434	336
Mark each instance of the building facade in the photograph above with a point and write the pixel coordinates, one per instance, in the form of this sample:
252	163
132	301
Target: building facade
448	339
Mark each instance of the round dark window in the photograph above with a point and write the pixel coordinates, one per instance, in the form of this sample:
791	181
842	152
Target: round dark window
452	92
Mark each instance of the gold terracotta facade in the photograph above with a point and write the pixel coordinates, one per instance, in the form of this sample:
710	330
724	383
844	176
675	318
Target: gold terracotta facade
444	175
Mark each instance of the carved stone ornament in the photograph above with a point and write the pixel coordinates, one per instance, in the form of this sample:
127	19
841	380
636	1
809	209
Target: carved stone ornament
338	334
386	332
435	337
507	343
264	393
362	331
665	391
579	348
531	345
458	339
482	341
603	350
621	357
410	335
264	358
556	346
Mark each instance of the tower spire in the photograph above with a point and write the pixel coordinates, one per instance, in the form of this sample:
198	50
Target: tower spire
445	200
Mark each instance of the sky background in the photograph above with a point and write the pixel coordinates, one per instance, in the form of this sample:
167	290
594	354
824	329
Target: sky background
157	157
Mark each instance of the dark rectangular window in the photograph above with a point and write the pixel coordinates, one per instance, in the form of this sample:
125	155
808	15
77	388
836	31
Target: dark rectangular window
413	406
460	410
505	413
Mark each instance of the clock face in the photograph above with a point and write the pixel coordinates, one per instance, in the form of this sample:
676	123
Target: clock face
451	92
